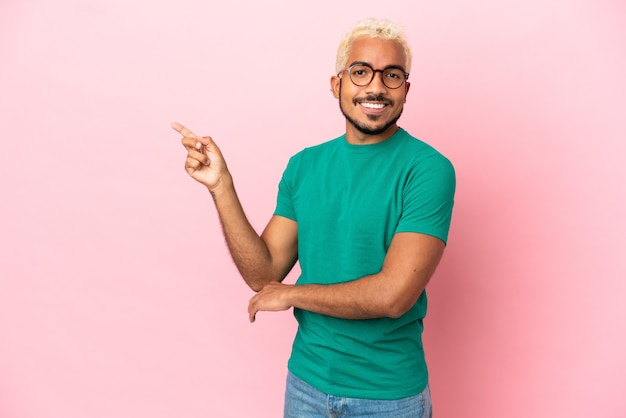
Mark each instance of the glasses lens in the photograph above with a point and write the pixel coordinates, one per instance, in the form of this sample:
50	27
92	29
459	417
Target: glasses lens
393	77
361	75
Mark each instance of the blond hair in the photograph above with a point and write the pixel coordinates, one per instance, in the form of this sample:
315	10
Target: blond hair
374	28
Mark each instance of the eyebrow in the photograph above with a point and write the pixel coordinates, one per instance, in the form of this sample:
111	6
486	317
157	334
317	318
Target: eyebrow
399	67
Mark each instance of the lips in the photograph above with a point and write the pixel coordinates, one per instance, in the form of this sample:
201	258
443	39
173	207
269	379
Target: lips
372	103
372	108
369	105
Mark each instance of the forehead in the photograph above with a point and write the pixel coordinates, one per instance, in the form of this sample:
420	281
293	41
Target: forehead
377	52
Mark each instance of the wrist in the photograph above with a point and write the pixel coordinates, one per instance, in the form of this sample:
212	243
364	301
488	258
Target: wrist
224	184
298	295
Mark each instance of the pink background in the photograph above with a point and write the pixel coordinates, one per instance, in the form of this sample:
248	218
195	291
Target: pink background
117	296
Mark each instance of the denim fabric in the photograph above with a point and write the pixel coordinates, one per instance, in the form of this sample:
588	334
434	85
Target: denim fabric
304	401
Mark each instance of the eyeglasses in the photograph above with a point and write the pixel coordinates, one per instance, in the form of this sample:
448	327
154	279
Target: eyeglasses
362	74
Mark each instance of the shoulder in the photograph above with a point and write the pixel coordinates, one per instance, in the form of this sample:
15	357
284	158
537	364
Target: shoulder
422	155
315	152
321	148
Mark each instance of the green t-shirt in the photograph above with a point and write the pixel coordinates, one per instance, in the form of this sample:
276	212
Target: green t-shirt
349	201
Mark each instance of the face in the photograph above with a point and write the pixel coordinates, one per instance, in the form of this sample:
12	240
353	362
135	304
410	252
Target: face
372	110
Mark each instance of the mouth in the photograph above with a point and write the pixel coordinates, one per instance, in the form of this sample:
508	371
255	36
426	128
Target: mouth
369	105
372	107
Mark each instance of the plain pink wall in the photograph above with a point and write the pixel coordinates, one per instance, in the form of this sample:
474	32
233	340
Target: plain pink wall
117	296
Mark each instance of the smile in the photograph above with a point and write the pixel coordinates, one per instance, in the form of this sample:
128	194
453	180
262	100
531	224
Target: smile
372	105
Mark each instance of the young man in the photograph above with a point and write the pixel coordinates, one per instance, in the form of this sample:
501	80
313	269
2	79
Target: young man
367	214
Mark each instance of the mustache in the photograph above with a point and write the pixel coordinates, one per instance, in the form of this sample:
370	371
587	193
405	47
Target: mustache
372	98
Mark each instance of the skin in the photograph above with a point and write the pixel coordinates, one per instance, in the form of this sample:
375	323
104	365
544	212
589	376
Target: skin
265	260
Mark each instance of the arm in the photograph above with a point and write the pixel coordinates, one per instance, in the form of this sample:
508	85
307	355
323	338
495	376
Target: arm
407	268
260	259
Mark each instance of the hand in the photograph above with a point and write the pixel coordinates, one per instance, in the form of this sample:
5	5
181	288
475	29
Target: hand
205	162
273	297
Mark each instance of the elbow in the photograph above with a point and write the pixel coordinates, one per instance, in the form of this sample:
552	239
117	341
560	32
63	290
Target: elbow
255	287
396	311
396	307
258	283
254	282
256	279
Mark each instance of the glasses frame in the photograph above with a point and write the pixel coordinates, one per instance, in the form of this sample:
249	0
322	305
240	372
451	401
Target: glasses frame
382	74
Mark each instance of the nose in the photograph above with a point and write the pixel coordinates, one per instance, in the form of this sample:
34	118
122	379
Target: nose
376	85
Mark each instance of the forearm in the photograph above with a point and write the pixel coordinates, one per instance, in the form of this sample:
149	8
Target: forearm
368	297
248	250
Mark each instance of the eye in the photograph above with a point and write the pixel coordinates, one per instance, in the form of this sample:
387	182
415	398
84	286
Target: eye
394	74
361	72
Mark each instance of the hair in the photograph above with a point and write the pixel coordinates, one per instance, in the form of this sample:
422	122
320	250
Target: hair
374	28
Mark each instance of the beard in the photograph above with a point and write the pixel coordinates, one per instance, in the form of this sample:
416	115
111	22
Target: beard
361	127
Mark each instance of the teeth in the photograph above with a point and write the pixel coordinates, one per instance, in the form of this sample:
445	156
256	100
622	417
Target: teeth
373	105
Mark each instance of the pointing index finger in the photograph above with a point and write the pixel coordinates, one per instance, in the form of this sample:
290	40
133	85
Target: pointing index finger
182	130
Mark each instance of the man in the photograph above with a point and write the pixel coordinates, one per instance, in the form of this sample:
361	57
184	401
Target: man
367	215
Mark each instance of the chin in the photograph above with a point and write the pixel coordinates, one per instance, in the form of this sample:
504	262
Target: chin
372	129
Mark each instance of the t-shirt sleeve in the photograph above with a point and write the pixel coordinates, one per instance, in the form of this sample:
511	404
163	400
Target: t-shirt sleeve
284	200
428	198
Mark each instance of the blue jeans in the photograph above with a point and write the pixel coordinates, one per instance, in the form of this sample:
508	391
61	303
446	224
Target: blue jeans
304	401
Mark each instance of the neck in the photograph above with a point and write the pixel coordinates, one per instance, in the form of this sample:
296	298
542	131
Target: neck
357	137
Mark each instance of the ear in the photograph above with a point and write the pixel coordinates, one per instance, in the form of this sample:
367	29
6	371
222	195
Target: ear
408	86
334	86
